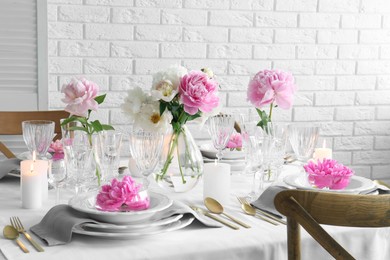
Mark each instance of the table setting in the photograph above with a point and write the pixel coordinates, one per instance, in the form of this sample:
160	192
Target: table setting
76	198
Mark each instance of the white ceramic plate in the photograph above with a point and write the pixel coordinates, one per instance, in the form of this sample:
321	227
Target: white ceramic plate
146	226
120	235
356	185
86	203
209	151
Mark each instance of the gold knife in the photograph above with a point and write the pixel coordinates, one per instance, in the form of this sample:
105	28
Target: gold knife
208	214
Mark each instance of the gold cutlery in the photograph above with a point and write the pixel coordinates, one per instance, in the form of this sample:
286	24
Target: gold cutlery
11	233
243	201
17	224
208	214
215	207
251	211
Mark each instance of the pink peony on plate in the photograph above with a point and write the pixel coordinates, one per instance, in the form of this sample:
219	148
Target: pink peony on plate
328	174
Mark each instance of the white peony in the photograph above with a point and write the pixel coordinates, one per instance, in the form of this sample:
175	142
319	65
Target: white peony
149	118
133	102
166	83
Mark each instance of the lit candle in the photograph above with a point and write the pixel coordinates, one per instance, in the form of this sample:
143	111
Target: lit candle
31	185
322	153
216	182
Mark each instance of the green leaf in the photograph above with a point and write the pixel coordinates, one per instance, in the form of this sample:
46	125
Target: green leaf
100	99
264	118
74	128
107	127
97	127
163	106
69	119
82	120
192	117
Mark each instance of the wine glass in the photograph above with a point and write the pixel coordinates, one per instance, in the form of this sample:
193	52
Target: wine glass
146	148
220	129
79	158
303	140
107	152
57	175
37	135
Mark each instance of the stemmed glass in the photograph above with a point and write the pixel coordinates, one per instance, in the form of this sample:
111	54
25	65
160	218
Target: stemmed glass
220	129
80	164
57	174
145	149
303	140
37	135
107	145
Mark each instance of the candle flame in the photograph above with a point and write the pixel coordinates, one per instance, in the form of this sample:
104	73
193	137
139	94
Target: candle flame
34	156
324	144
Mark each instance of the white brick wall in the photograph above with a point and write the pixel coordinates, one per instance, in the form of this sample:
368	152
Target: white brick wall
339	52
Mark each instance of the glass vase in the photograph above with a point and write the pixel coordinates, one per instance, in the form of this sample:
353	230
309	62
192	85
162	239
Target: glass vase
181	164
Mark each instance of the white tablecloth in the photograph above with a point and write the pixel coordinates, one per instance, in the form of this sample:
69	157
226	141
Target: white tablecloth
262	241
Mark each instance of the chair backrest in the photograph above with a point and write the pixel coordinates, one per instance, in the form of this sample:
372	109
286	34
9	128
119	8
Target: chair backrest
310	208
11	123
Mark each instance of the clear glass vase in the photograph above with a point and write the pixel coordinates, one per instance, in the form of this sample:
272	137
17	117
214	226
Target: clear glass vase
181	164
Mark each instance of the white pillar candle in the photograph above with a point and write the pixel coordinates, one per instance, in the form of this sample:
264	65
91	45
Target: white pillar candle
31	185
42	167
216	182
322	153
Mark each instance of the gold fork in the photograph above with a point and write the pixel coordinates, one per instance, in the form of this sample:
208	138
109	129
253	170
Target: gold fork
17	224
262	212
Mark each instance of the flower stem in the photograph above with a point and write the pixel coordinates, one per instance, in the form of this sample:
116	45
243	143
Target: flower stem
270	111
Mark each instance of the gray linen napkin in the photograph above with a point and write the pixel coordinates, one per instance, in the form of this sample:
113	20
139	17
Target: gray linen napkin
266	200
8	165
56	226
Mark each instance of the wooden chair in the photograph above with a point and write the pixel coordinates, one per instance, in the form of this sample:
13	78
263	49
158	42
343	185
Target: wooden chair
11	123
310	208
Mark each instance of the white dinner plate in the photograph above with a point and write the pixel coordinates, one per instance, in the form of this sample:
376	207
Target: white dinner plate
209	151
146	226
357	184
120	235
86	203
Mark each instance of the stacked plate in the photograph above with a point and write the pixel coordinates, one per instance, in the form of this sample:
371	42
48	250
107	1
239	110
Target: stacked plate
235	158
128	224
357	185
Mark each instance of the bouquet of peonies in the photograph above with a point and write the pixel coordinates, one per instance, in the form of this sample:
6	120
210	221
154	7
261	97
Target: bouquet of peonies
81	98
271	87
176	97
328	173
122	195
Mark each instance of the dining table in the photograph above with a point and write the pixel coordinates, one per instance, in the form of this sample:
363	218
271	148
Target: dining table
262	240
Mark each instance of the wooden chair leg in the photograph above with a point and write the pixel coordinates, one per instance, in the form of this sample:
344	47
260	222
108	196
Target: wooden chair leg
293	239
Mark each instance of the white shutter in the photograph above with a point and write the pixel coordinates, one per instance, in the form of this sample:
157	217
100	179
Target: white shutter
19	56
23	60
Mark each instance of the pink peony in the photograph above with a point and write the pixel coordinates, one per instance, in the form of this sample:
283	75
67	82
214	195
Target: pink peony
198	92
57	150
122	193
235	141
328	173
80	96
269	86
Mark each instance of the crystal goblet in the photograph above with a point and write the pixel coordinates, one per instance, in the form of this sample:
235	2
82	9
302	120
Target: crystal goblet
145	149
37	135
303	140
220	128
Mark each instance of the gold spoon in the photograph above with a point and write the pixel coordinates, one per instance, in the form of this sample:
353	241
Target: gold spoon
11	233
248	209
215	207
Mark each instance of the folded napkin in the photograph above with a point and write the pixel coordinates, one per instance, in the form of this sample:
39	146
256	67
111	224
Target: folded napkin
8	165
266	200
56	226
